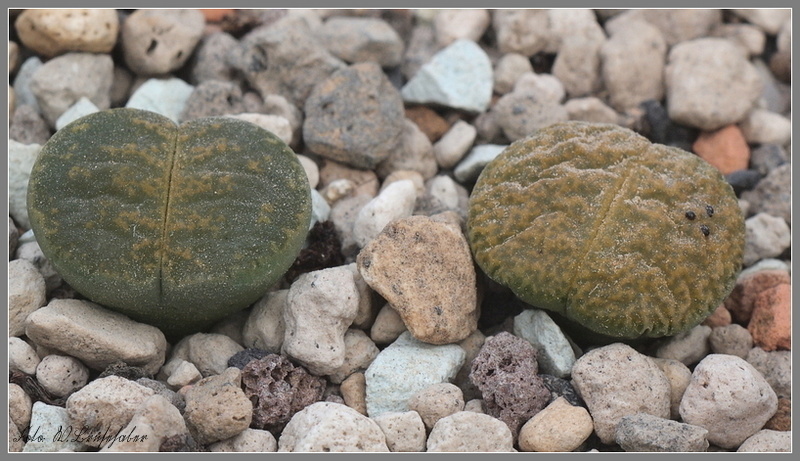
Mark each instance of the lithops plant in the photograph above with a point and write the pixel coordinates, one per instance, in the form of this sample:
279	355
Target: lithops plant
175	226
627	238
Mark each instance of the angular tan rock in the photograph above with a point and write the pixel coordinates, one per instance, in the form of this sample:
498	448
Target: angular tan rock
26	293
404	430
50	32
96	336
424	269
156	418
437	401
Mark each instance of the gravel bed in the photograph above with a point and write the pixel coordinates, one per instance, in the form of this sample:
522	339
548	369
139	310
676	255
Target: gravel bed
384	335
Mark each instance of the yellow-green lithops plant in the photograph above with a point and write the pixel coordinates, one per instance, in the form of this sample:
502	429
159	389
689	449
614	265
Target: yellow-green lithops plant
627	238
175	226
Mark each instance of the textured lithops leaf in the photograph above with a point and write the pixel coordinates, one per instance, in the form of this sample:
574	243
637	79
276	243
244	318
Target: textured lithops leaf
594	222
176	226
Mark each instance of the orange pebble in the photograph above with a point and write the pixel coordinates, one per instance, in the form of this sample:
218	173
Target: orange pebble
216	14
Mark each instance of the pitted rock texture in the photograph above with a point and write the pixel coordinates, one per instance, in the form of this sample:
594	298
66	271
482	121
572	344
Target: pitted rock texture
505	371
592	221
423	268
278	389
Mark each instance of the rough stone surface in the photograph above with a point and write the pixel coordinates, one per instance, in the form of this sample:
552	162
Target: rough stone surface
554	351
331	427
767	440
249	440
710	83
731	339
728	397
772	195
522	113
679	25
775	367
404	431
155	420
559	427
62	81
769	19
209	352
771	323
521	31
436	401
264	328
354	39
217	407
766	236
616	381
508	69
19	406
21	356
687	347
156	42
413	153
31	251
26	294
459	76
425	364
505	371
268	59
278	389
50	32
633	60
749	285
354	392
577	63
355	116
165	96
184	374
105	404
50	419
96	336
423	268
467	431
725	148
765	127
388	325
679	376
642	432
395	202
211	59
61	375
21	158
359	352
320	307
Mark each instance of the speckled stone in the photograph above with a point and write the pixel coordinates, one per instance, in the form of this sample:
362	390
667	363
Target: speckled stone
467	431
679	376
156	42
728	397
776	367
361	39
405	431
642	432
773	194
688	347
732	339
50	32
595	201
331	427
558	427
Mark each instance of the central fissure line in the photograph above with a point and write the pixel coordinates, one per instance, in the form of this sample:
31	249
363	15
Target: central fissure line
163	244
599	223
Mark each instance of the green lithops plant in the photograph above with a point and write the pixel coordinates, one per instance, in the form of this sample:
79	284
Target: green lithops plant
175	226
592	221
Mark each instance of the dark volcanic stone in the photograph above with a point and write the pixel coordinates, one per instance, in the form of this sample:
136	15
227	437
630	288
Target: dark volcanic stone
124	370
278	390
242	358
562	388
505	371
743	180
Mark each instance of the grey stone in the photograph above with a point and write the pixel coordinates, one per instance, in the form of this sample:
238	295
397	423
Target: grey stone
459	76
26	294
165	96
21	158
355	39
22	83
520	114
555	354
767	440
643	432
766	236
773	193
732	339
51	420
688	347
470	168
776	367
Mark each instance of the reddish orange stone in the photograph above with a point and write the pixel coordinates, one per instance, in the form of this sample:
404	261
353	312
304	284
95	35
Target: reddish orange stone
725	149
770	323
216	14
719	318
428	121
741	301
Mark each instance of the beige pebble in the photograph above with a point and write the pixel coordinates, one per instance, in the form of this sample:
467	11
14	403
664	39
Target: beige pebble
354	392
275	124
249	440
50	32
19	406
558	427
185	373
678	376
61	375
337	190
475	405
217	407
359	352
405	431
451	147
437	401
312	170
388	325
21	356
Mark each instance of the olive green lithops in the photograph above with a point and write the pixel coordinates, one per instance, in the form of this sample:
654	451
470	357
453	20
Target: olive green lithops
175	226
627	238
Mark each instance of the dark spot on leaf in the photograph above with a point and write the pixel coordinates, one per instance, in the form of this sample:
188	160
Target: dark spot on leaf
706	231
690	215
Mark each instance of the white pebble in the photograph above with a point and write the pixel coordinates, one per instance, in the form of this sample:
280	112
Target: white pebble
61	375
766	236
21	356
394	202
451	147
26	294
162	96
81	108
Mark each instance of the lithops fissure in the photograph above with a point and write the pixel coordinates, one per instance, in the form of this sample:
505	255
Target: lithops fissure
628	238
176	226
